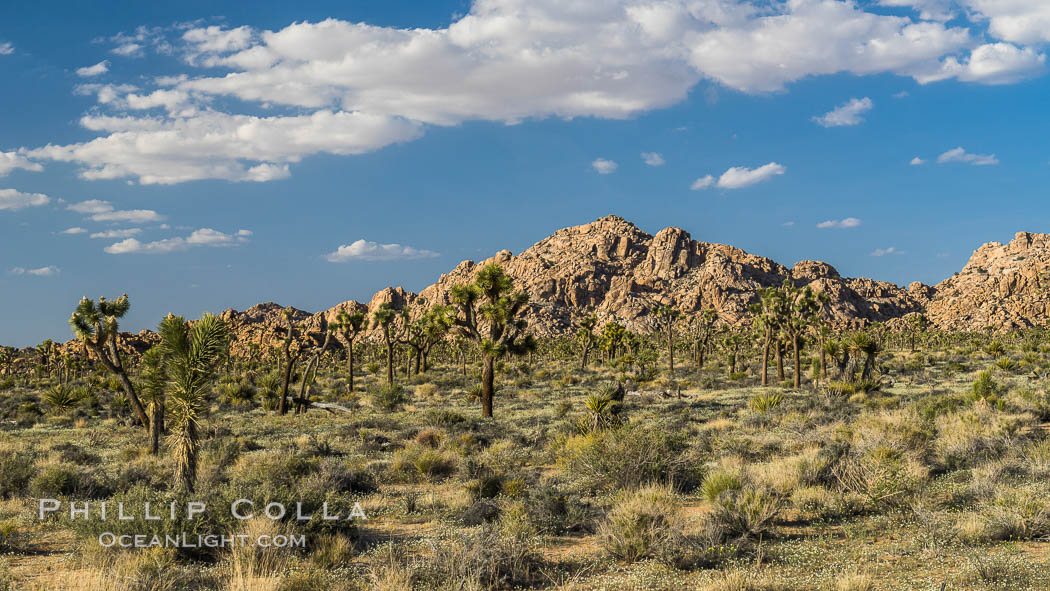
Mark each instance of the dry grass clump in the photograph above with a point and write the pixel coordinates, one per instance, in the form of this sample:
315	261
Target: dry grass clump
644	523
748	580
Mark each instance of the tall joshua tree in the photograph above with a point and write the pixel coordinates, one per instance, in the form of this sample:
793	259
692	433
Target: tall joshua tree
801	310
347	328
664	319
392	323
154	380
490	312
96	324
192	355
290	353
311	369
585	337
769	313
702	328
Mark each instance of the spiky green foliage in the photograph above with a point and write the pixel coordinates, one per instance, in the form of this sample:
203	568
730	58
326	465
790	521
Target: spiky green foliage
347	327
97	325
191	357
489	312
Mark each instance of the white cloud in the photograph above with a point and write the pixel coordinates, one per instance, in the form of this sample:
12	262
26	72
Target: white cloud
88	71
916	161
214	145
843	223
961	155
738	177
123	233
91	206
788	224
6	48
603	166
12	200
372	251
901	94
702	183
846	114
12	160
1019	21
992	63
352	88
653	158
201	237
39	272
135	216
880	252
74	230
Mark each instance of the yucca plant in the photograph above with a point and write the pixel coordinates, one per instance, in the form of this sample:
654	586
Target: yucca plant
61	398
765	401
192	355
601	409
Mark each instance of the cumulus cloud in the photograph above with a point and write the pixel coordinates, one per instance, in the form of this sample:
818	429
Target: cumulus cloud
653	158
603	166
6	48
843	223
13	160
846	114
201	237
961	155
1019	21
739	177
344	88
12	200
992	63
702	183
88	71
123	233
916	161
931	10
103	211
881	252
74	230
371	251
38	272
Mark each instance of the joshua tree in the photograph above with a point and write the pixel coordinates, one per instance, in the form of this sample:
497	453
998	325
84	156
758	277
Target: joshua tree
612	339
311	369
392	323
289	356
585	337
424	332
491	313
154	381
768	316
96	325
916	324
870	346
663	320
347	328
801	308
702	327
191	355
731	342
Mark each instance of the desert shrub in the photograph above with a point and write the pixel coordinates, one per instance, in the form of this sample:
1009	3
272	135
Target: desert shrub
854	582
12	539
644	523
16	470
967	438
426	390
984	386
341	477
1012	514
485	559
817	502
744	515
61	398
443	417
740	580
389	398
717	483
429	438
554	511
630	456
414	461
1001	571
66	480
884	477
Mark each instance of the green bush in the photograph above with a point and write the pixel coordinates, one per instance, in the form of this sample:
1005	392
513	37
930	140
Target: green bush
388	398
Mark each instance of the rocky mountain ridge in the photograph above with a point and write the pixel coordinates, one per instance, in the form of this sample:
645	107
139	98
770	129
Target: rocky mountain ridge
611	268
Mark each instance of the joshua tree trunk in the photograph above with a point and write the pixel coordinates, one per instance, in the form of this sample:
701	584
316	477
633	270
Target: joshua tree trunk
156	426
286	381
488	378
765	363
798	369
350	365
389	363
780	361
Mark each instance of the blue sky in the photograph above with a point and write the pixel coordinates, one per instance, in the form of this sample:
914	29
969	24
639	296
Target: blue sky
227	155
